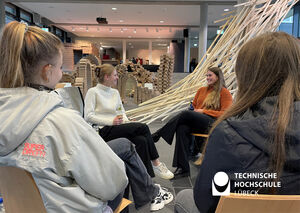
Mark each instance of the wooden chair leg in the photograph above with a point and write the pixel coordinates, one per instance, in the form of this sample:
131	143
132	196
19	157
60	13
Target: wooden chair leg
198	162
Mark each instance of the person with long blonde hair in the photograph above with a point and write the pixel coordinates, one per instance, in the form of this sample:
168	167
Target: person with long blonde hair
209	103
74	169
260	133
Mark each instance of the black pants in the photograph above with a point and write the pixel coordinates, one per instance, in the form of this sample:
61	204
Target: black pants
140	135
184	124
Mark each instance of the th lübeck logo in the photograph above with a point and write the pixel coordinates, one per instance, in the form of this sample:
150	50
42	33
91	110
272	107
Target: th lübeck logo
220	184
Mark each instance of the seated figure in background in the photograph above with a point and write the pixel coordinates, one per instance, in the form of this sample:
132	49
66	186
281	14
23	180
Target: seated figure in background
103	107
209	103
259	134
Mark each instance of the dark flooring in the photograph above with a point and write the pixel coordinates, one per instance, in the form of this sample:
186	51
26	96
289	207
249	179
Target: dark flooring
166	155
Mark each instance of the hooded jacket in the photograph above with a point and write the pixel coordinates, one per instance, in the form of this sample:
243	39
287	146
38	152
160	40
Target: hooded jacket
73	168
242	145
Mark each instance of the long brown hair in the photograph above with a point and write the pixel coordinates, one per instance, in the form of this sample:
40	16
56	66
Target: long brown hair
268	65
22	50
212	100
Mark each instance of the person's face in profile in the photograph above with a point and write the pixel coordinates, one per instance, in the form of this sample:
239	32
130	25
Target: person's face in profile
112	80
211	78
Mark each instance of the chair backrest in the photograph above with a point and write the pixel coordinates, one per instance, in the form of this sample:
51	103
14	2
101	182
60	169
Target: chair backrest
237	203
19	191
72	98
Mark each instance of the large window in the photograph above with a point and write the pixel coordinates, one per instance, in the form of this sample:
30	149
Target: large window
287	24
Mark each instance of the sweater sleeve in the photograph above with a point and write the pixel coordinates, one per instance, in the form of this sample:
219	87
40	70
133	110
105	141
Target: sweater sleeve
89	111
219	156
226	101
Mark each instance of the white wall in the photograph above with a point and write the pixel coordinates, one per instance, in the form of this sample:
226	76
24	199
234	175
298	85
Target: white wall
144	54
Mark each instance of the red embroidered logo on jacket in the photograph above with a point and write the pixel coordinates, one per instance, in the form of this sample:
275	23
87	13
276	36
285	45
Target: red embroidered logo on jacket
34	150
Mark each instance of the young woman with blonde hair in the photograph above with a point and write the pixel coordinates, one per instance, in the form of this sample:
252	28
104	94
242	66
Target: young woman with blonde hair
104	108
72	166
209	103
259	134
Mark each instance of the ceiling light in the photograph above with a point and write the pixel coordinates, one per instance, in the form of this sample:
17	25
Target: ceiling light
195	37
195	45
129	43
161	21
110	30
121	20
114	8
226	10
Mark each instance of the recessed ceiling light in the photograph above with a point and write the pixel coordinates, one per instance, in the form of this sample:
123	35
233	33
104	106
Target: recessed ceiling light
226	10
161	21
121	20
129	43
114	8
195	45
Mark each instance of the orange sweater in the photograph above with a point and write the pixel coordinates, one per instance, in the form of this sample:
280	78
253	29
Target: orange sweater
225	99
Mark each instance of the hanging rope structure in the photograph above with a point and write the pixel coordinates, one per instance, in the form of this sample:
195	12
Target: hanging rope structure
254	18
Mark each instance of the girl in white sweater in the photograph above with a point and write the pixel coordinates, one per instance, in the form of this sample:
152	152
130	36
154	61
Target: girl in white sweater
103	107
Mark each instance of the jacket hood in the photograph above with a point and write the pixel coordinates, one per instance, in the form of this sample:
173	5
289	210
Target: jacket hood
21	110
254	127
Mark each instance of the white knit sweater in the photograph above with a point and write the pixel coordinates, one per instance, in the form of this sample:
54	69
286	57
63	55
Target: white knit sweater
102	105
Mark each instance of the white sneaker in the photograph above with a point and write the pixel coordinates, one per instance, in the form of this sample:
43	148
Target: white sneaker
165	194
157	203
162	171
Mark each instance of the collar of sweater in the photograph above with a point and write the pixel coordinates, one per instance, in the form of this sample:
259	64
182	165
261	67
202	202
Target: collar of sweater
103	87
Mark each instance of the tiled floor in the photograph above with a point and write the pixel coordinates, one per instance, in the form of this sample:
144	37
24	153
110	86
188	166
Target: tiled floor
166	155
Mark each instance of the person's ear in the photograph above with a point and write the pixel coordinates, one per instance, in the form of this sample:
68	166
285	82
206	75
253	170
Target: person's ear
46	72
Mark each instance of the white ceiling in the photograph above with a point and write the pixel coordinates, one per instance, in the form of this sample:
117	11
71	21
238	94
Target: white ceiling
141	19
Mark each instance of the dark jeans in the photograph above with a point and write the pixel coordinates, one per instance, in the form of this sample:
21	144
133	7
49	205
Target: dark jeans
184	124
137	133
142	188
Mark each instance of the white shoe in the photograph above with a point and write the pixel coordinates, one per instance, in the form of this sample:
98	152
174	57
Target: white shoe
165	194
162	171
157	203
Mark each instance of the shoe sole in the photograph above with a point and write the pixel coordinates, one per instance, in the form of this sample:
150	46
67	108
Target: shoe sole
158	208
164	177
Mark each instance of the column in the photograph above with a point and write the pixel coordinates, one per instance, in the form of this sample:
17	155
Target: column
124	50
2	14
202	31
186	50
150	52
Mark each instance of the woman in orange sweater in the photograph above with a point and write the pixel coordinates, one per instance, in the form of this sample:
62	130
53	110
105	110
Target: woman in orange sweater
209	103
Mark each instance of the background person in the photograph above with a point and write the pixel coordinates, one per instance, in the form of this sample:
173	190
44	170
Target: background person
103	107
209	103
260	132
